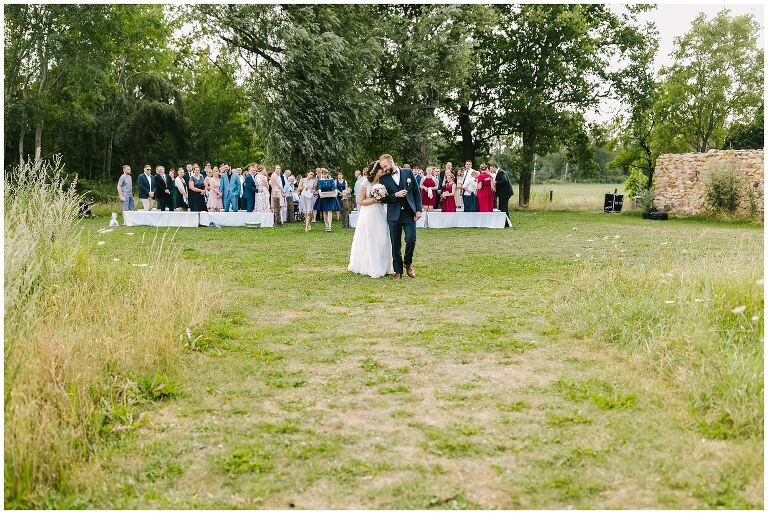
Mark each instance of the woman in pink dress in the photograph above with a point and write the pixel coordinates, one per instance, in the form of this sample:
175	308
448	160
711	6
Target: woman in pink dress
213	186
485	187
449	193
428	191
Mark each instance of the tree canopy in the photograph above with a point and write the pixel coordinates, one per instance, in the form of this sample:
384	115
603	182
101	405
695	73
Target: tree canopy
336	85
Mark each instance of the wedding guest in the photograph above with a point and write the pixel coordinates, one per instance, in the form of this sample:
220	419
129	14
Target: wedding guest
215	195
242	203
328	201
163	189
440	180
189	170
262	202
344	199
146	188
180	191
504	190
428	188
230	189
286	211
125	189
207	170
458	192
469	190
307	199
341	187
277	195
359	177
196	193
485	187
449	193
250	187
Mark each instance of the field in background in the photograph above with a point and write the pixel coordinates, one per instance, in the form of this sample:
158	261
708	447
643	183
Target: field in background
573	196
580	360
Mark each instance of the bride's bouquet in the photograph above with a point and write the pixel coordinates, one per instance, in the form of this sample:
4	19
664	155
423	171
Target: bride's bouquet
378	192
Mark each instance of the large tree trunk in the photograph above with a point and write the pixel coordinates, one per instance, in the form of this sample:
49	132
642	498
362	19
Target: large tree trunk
21	147
38	140
526	169
108	163
467	141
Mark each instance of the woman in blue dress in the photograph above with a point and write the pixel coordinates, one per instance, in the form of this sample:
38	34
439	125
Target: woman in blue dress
331	202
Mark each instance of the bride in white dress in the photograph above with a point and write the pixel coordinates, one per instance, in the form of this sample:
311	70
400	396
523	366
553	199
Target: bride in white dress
371	247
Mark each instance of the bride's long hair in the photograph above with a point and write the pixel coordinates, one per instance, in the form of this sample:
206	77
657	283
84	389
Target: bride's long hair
373	168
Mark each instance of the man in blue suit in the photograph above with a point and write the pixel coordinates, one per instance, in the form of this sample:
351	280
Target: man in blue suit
250	188
403	211
230	187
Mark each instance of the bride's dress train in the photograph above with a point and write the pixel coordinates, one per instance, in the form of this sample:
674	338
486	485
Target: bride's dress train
371	246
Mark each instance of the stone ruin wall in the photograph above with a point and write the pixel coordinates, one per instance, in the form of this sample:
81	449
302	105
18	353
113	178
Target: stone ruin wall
679	180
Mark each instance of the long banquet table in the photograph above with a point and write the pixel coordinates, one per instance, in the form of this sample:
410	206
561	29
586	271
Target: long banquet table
237	219
161	218
439	219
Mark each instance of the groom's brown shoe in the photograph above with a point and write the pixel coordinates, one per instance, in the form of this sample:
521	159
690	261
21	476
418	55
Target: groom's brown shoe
397	276
409	270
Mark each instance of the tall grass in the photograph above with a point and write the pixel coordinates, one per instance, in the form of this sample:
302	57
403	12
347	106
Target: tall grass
696	321
87	342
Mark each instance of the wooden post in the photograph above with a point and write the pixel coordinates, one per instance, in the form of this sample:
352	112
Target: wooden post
550	195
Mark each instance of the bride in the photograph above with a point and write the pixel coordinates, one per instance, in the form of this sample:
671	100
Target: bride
371	247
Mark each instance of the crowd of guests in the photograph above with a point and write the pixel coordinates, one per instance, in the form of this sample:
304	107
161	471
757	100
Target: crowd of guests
290	197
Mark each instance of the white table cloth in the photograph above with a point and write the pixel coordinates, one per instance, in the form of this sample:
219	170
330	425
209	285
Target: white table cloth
237	219
160	218
438	219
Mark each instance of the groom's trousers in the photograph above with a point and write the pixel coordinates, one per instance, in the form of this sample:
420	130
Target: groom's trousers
405	223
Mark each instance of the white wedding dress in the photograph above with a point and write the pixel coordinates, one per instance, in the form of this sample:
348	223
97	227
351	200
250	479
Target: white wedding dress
371	252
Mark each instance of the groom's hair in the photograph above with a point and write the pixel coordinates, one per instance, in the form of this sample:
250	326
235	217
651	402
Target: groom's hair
386	156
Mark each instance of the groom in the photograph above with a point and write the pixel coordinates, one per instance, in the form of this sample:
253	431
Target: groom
403	211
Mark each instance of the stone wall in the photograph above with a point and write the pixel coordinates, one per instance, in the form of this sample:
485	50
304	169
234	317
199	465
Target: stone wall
679	180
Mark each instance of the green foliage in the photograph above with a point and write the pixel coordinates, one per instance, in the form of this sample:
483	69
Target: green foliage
636	183
716	79
646	199
542	95
724	188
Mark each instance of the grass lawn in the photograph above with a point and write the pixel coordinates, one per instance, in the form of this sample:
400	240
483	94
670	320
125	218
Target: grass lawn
469	387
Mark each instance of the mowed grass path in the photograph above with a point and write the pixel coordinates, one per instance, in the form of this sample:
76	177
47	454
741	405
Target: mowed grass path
314	388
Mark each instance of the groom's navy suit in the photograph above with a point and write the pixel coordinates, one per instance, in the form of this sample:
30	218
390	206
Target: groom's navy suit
400	213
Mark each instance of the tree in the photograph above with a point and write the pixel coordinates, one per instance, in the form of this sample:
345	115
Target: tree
554	62
749	136
715	81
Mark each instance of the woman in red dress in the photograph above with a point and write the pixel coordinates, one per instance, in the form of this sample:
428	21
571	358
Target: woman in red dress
485	188
449	193
428	191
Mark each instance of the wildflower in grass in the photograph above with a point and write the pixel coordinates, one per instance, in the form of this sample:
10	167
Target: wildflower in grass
664	243
129	233
698	300
590	240
755	317
669	302
116	259
578	255
740	309
101	243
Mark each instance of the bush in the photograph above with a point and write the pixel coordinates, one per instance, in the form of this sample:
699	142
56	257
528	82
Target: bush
76	334
646	200
635	183
725	188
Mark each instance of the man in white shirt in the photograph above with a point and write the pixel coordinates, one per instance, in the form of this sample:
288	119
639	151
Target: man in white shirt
359	177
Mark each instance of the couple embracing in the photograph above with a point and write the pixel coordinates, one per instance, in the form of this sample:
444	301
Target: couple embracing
390	204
